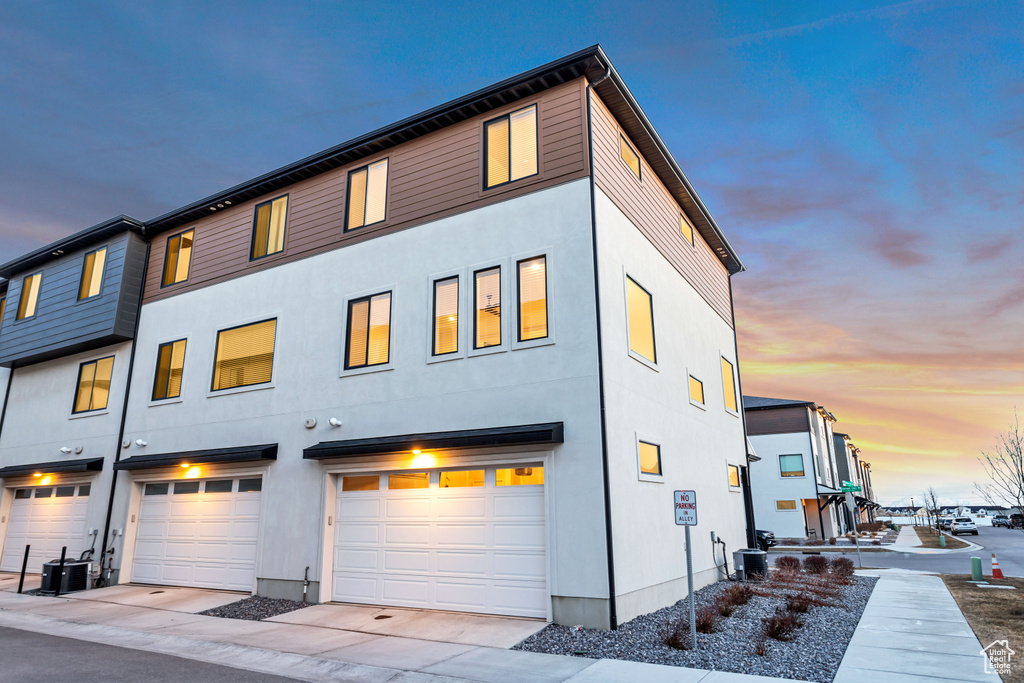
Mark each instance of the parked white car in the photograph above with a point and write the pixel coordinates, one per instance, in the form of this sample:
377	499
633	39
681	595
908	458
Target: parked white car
963	525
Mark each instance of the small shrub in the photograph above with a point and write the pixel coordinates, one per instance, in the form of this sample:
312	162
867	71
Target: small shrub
815	564
841	567
788	563
761	646
790	541
678	636
781	625
725	608
832	540
815	541
707	619
740	594
798	603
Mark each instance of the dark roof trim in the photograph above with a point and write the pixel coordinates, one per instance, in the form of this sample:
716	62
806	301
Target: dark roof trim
214	455
62	466
521	435
79	240
763	403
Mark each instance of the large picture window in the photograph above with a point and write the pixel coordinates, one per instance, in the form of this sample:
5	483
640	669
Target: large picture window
369	331
511	147
641	320
92	274
93	387
367	195
268	228
244	356
791	465
178	258
170	364
29	296
487	303
533	298
446	316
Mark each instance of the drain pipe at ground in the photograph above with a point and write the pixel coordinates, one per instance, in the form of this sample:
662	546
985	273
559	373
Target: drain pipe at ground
305	586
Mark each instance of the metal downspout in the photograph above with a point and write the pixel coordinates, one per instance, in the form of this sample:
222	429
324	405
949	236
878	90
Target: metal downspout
814	467
7	397
748	505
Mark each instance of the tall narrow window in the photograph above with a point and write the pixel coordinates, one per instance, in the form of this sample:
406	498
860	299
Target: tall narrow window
170	363
3	305
178	259
29	296
650	457
686	228
92	274
268	228
734	476
446	316
533	299
369	331
729	383
641	321
244	356
511	147
631	158
93	385
367	194
487	298
696	390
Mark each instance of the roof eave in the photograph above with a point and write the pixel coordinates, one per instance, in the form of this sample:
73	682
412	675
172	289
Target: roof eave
79	240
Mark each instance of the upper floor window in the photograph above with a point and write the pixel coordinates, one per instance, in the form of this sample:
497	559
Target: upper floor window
92	274
641	320
510	143
487	304
734	476
268	228
533	298
369	331
29	296
178	259
245	355
650	457
367	194
696	390
791	465
93	385
446	316
3	305
631	158
729	383
686	227
170	364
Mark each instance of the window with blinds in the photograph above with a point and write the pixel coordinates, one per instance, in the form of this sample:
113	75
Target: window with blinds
729	383
510	144
628	155
93	388
178	258
3	305
268	228
170	364
696	390
650	457
92	274
533	298
367	195
369	331
29	296
487	316
446	316
686	228
244	356
641	320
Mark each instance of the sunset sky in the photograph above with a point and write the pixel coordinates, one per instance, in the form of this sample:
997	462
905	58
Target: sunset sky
865	159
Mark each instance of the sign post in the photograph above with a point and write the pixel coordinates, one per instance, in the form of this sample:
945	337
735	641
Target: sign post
848	489
686	516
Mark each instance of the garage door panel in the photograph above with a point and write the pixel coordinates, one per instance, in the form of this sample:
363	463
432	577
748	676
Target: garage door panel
528	597
180	551
244	553
519	506
461	507
182	529
520	565
247	507
245	528
358	533
410	592
526	536
461	534
461	595
358	507
407	534
47	524
356	560
472	563
405	508
406	561
219	529
355	588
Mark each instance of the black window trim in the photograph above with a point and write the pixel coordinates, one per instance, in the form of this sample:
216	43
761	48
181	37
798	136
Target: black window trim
501	311
739	479
657	447
21	294
348	194
156	372
486	187
216	345
433	325
78	384
255	218
163	272
639	163
78	298
519	300
654	328
348	329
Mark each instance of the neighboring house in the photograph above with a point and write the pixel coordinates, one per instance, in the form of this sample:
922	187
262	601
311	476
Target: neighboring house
849	468
461	362
796	483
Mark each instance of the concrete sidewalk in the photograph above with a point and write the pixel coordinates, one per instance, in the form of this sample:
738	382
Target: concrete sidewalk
314	653
907	542
912	630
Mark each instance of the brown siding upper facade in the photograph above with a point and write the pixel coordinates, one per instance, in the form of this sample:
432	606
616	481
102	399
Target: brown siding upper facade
777	421
655	213
431	177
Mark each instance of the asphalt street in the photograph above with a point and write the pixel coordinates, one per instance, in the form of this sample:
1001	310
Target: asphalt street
28	657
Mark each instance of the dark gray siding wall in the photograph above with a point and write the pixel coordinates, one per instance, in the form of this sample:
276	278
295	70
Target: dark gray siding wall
63	324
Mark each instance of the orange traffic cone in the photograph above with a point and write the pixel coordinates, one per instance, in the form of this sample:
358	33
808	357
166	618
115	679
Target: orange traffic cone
997	573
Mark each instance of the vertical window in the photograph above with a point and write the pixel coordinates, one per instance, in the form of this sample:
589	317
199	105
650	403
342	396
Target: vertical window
734	476
533	299
686	228
631	158
511	146
244	356
446	316
487	298
641	321
92	274
170	363
650	457
729	383
3	305
367	194
696	390
369	331
93	385
268	229
791	465
29	296
178	258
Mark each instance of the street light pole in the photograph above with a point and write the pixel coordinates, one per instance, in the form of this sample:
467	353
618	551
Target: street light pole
913	512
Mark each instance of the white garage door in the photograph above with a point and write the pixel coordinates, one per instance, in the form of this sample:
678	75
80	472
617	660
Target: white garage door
200	533
47	518
465	540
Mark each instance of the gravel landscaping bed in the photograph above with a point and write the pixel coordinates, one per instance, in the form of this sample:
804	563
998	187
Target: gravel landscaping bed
255	609
813	653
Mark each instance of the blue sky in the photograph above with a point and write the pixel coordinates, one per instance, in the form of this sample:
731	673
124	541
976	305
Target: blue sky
864	158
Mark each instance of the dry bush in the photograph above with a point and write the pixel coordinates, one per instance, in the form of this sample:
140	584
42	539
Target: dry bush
761	646
788	563
841	567
782	625
725	608
707	619
832	540
790	541
678	636
799	603
871	526
815	564
739	593
815	541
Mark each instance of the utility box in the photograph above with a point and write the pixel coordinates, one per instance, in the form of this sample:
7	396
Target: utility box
751	564
75	576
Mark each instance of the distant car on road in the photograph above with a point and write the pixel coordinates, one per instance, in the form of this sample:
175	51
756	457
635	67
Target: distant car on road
1001	520
963	525
1017	521
765	539
945	522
